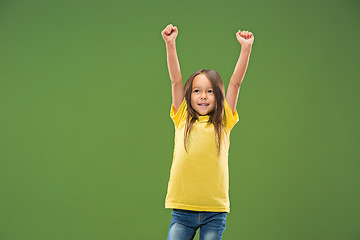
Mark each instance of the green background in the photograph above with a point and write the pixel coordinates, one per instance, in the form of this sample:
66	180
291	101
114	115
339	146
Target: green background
86	139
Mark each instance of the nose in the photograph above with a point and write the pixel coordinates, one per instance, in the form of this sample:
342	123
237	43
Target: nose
203	95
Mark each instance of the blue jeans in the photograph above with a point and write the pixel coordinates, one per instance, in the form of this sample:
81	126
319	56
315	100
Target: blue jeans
184	224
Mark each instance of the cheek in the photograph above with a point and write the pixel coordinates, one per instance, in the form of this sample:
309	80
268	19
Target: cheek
193	102
192	98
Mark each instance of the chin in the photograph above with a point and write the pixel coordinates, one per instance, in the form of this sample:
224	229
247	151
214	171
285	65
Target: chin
204	113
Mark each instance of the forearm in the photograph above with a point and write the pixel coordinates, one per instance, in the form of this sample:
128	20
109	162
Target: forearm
241	66
173	63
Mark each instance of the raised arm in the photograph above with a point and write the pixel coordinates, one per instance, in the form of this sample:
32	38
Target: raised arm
246	40
169	35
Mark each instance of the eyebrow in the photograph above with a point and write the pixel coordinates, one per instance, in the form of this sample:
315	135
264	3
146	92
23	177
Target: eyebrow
199	87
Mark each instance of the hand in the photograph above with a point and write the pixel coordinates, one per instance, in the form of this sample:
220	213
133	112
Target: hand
170	33
245	38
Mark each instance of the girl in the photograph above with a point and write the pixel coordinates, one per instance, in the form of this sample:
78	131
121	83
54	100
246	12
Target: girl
203	118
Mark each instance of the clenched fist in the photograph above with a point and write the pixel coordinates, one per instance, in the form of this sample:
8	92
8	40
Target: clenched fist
245	38
169	33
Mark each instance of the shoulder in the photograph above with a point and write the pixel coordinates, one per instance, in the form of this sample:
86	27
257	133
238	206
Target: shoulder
230	117
180	114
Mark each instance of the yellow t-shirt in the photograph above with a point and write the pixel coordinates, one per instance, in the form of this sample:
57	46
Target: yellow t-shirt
199	178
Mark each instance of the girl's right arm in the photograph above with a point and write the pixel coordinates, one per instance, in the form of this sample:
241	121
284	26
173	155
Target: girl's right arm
169	35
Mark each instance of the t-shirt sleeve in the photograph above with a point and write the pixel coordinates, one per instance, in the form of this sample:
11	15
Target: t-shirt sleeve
230	118
180	115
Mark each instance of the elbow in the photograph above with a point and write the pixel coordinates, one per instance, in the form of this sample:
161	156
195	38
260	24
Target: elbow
236	84
176	82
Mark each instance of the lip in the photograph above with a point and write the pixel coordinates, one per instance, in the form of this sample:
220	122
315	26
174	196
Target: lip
205	104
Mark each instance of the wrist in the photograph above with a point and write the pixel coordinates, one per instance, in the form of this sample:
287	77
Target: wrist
246	47
170	43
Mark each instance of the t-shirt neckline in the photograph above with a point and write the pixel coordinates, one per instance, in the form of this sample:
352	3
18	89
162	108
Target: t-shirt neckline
204	118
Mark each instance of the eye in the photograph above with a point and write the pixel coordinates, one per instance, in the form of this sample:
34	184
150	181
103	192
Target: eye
210	91
196	90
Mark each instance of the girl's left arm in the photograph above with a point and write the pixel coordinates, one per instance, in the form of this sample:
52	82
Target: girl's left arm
246	40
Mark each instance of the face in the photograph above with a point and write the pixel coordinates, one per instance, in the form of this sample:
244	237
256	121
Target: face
202	95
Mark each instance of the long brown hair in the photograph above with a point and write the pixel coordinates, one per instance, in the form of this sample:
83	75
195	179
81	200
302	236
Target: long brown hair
217	115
